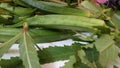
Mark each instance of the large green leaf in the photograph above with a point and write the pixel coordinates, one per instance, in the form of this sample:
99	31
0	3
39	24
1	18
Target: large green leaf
56	53
64	22
108	51
28	53
52	7
46	55
5	46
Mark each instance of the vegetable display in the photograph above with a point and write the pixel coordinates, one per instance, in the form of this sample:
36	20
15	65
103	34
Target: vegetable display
96	23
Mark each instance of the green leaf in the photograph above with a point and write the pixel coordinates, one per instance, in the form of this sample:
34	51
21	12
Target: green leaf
107	49
80	65
52	7
92	55
28	52
20	11
64	22
52	54
90	6
73	64
70	63
46	55
117	40
5	46
95	10
13	62
76	61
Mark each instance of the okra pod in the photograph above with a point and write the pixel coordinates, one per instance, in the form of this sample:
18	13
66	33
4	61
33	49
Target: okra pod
70	22
56	8
39	35
20	11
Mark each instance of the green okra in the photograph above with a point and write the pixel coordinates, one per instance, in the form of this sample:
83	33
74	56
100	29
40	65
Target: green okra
70	22
3	20
19	2
56	8
20	11
39	35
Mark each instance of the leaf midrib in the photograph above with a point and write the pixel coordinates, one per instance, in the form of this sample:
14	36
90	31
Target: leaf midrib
109	45
28	59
